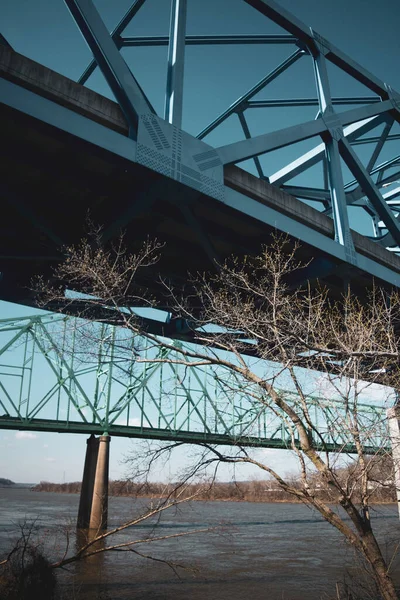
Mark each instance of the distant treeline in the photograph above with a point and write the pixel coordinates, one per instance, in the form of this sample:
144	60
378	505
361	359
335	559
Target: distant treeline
251	491
6	482
243	491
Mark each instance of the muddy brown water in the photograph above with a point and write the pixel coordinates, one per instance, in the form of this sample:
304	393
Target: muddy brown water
256	551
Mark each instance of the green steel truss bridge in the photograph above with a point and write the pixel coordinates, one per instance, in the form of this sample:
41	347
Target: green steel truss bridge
63	374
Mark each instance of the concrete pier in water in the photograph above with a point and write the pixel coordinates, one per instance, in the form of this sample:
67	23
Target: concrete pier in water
93	504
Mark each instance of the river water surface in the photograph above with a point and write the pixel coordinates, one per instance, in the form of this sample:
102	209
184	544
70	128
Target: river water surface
257	551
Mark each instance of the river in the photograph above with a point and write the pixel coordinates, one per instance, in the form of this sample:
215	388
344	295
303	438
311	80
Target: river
258	551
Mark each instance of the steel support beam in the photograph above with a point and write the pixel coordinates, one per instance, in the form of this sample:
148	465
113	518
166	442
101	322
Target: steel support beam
369	188
335	176
176	64
123	84
116	36
240	103
261	144
208	40
304	233
295	102
311	158
293	25
378	148
374	140
246	131
64	119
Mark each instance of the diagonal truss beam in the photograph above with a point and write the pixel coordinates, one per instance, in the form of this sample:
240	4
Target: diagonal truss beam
369	188
116	36
240	103
293	25
123	84
261	144
312	157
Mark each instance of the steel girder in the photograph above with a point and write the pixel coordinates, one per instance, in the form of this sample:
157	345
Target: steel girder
335	129
338	131
66	375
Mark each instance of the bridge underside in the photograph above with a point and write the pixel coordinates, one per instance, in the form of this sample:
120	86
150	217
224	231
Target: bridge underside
69	155
59	169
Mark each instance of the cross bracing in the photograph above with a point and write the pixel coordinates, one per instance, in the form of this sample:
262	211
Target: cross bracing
147	170
64	374
340	130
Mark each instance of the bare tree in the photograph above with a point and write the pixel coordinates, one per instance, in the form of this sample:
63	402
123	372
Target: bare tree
28	570
248	309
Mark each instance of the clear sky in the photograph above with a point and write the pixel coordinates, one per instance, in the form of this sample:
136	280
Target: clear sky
214	77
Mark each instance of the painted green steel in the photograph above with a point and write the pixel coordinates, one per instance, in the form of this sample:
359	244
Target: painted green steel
63	374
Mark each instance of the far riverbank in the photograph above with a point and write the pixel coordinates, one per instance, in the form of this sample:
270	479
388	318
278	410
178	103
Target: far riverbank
232	491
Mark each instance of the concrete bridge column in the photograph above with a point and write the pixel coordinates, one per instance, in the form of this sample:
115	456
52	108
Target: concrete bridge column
393	415
89	472
99	512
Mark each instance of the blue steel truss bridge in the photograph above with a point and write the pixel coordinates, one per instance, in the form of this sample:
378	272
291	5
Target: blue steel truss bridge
324	169
62	374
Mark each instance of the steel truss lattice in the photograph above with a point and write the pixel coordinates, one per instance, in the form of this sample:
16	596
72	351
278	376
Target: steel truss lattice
341	132
67	375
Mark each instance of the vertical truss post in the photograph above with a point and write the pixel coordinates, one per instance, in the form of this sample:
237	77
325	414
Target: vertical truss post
176	63
335	175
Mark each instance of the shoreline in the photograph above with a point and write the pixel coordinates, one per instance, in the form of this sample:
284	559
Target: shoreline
234	500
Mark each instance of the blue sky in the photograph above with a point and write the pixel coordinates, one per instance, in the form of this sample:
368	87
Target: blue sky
214	78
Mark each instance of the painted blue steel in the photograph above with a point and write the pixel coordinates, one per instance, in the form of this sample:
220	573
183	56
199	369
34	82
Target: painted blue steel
116	36
246	131
380	169
335	176
261	144
371	190
126	89
297	28
311	158
379	146
209	40
284	102
328	125
302	232
66	120
69	121
395	137
240	103
176	64
321	50
390	196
